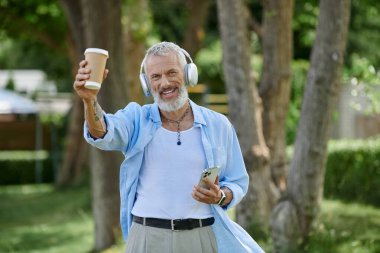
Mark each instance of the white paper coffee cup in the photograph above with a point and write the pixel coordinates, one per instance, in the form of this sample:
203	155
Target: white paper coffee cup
96	61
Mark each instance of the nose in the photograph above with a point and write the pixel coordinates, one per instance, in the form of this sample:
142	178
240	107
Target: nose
164	80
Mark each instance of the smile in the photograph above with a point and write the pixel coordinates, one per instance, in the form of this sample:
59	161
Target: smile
168	91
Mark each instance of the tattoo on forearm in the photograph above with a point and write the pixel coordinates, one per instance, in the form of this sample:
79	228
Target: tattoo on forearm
96	111
95	115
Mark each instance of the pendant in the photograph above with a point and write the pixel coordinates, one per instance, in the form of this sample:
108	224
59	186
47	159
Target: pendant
178	143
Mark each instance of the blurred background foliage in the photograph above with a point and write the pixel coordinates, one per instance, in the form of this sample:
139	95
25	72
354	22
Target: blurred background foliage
34	35
353	171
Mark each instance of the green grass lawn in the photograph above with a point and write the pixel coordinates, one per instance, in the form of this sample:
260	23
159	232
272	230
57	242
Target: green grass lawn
41	219
343	228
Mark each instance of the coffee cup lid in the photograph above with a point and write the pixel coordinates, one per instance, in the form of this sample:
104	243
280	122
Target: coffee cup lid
96	50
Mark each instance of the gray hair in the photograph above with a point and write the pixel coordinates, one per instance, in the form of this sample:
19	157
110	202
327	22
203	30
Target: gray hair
163	48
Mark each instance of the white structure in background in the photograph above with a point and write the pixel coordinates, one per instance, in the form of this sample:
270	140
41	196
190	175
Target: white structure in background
353	122
12	103
34	83
27	81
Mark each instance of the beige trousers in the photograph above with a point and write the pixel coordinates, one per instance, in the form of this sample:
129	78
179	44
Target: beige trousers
144	239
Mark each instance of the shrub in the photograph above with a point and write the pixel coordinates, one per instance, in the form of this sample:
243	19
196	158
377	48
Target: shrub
18	167
353	171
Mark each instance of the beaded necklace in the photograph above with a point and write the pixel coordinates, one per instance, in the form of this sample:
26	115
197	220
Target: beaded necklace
178	122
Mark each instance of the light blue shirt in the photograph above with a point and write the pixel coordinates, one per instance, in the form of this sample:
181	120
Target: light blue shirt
129	130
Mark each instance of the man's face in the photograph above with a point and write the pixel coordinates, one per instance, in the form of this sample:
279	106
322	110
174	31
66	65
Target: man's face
166	81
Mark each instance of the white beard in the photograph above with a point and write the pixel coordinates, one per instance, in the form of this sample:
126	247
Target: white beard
177	104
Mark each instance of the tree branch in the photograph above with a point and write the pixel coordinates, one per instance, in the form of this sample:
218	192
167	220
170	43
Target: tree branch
255	26
18	23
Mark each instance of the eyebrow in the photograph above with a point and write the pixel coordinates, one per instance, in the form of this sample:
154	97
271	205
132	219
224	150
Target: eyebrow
169	70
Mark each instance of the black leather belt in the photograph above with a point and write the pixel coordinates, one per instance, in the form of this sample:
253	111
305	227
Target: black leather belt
175	225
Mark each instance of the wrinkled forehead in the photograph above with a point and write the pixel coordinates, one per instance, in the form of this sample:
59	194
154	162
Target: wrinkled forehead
162	61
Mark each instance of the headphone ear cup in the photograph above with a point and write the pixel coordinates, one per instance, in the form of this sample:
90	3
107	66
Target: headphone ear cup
145	84
191	74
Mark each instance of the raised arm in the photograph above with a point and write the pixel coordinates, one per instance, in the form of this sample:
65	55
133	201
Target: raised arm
93	112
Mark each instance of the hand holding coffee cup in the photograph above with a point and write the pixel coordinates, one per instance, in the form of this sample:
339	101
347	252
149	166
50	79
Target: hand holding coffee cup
82	76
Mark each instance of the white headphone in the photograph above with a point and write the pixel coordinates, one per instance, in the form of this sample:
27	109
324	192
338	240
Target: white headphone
190	71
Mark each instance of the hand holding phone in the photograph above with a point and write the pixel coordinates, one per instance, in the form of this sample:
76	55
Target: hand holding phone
210	174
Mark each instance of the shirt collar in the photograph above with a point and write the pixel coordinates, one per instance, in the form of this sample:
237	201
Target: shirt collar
198	115
155	113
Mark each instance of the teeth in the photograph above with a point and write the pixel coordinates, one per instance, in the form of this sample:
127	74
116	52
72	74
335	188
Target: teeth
167	92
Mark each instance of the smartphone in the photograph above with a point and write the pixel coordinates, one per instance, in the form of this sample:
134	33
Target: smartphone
211	174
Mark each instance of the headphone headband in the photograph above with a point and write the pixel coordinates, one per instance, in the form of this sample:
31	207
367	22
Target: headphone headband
185	53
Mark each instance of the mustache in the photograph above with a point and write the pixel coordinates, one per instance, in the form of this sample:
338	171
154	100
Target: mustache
170	87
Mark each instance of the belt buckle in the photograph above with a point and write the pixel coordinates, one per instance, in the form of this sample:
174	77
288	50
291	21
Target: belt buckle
172	223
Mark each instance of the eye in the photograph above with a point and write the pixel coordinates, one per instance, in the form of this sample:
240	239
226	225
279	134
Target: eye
155	77
172	72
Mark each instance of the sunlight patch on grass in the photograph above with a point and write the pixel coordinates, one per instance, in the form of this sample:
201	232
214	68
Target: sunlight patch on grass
25	189
24	155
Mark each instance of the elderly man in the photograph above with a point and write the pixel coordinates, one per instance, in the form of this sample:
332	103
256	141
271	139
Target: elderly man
167	145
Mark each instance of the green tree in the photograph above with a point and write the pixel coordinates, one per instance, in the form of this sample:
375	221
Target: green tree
34	35
294	214
275	84
245	115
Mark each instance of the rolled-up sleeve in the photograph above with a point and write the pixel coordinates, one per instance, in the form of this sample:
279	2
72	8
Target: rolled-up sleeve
235	176
120	127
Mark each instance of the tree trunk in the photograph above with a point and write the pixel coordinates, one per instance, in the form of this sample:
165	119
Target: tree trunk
245	114
136	29
195	33
294	214
105	197
102	22
276	82
76	150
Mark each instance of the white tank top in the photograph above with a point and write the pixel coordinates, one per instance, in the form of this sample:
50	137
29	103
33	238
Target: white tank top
168	175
